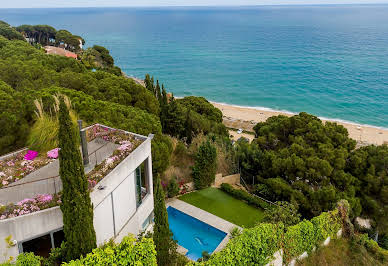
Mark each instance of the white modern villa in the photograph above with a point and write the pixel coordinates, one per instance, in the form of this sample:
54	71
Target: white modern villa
121	193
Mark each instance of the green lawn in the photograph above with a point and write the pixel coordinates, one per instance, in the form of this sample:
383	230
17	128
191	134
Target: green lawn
223	205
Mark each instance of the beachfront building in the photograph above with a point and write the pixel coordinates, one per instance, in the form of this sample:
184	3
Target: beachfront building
59	51
118	167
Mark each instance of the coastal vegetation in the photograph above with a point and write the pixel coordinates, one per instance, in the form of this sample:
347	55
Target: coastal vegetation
301	164
313	164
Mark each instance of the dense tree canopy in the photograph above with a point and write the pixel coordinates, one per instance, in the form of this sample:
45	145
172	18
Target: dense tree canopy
315	164
9	32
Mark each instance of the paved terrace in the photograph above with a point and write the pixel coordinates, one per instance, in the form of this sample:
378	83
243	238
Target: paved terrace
46	180
205	217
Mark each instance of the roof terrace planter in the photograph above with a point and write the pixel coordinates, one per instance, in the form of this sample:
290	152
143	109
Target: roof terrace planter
128	142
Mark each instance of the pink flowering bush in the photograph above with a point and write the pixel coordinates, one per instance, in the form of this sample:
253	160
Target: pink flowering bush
127	144
30	155
16	167
26	206
53	154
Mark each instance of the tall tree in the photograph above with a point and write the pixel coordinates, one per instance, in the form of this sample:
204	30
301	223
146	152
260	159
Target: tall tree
189	128
76	205
165	245
205	166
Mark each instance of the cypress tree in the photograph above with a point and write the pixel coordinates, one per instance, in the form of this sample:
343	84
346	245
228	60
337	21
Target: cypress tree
157	91
165	245
76	205
189	128
205	166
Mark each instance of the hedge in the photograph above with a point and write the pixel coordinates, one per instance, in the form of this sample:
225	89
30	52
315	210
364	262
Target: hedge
128	252
255	246
243	195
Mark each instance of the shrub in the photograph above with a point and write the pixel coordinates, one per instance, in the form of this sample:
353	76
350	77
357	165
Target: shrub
243	195
298	239
28	259
172	188
205	166
284	212
128	252
372	247
255	246
327	224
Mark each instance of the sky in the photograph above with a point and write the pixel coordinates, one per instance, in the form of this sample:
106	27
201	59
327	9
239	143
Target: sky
148	3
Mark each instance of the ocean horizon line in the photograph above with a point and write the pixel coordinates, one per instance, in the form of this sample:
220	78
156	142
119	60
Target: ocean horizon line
203	6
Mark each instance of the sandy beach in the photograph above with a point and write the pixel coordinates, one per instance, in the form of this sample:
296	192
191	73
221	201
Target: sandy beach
247	117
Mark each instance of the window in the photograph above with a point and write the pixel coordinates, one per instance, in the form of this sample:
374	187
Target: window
40	246
147	221
142	182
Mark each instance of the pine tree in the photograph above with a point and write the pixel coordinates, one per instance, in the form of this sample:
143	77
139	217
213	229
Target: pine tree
165	245
76	205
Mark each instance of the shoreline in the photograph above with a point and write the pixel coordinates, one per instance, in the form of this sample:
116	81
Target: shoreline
245	117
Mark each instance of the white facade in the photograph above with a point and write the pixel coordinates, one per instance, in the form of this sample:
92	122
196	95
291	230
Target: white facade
116	209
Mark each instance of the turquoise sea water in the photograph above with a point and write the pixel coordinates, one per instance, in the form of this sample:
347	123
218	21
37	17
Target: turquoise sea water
331	61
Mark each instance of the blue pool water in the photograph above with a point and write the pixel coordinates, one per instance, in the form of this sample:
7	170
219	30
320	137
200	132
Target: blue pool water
193	234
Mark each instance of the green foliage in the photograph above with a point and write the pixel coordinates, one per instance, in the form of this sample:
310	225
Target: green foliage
315	164
14	119
9	32
165	245
283	212
370	166
128	252
38	34
298	239
205	166
190	116
202	106
28	259
254	246
23	66
98	57
172	188
161	152
76	205
235	232
243	195
372	247
44	133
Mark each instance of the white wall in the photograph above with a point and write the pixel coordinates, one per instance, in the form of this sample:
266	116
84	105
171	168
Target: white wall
124	201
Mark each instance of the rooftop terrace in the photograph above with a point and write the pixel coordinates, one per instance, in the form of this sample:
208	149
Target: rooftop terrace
26	184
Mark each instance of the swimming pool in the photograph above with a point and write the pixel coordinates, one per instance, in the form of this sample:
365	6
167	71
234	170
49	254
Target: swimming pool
193	234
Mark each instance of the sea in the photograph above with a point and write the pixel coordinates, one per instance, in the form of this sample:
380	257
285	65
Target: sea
328	60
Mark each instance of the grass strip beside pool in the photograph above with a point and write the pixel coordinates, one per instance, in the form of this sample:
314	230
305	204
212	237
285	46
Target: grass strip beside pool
221	204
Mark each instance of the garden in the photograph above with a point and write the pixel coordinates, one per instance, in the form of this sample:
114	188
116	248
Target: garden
225	206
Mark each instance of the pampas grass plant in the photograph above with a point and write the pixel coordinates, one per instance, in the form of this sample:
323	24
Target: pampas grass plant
44	133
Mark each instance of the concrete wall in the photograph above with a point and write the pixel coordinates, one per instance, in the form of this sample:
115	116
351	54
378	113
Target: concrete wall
30	190
230	179
27	227
115	213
